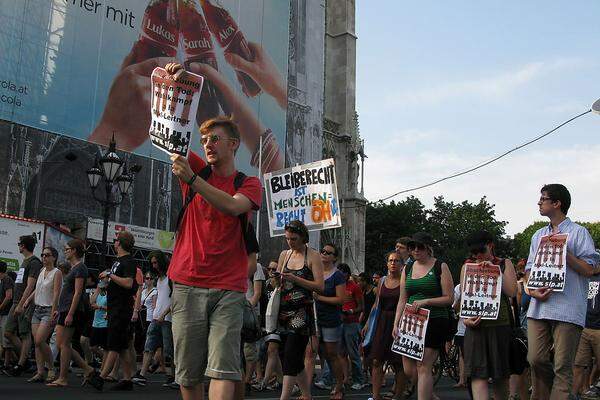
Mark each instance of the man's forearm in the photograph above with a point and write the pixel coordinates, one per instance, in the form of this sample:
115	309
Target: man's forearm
580	266
30	287
126	283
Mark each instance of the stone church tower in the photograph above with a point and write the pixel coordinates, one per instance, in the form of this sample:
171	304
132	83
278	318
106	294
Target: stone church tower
341	138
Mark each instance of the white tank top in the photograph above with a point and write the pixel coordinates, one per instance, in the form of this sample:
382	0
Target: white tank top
44	288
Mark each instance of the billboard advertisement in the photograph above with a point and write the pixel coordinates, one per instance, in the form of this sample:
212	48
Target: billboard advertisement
82	68
10	231
145	238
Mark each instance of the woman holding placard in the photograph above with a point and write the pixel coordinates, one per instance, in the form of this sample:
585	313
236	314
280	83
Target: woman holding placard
425	283
384	311
487	341
301	273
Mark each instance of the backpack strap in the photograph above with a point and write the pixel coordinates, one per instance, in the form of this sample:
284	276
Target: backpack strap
437	269
204	174
248	231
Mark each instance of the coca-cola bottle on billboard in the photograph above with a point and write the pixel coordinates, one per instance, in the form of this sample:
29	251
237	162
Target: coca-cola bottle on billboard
230	38
198	47
159	36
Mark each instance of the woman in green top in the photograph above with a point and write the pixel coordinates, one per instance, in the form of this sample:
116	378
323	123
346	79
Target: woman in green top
426	283
487	342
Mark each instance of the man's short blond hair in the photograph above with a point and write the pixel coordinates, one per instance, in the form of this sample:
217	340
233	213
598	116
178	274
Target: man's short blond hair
222	121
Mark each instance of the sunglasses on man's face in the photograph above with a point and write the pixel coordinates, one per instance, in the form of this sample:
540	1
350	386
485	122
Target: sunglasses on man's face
213	138
327	253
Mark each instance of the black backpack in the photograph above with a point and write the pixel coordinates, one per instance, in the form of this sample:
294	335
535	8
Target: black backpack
248	231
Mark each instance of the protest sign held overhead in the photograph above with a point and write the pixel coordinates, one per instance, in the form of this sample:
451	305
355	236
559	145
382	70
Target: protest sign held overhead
411	333
174	107
550	264
481	291
305	192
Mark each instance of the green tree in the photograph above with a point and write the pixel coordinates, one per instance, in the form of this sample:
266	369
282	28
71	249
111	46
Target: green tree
387	222
450	223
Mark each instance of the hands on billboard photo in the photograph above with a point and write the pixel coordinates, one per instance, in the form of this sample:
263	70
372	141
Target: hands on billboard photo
191	25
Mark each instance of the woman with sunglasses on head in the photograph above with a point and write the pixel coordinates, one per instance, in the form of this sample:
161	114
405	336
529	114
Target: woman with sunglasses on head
487	342
301	273
329	319
70	309
45	297
379	351
426	283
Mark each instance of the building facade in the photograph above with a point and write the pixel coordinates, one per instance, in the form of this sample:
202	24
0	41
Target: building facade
43	174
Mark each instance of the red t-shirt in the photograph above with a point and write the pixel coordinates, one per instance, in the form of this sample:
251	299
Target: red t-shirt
352	289
209	251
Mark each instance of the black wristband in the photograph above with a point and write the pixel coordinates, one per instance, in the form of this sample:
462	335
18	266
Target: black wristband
192	179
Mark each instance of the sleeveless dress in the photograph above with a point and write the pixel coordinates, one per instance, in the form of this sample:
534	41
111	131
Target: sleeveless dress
381	349
296	313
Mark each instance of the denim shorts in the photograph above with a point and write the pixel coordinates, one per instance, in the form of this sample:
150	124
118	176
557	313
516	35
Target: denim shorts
331	335
42	314
159	335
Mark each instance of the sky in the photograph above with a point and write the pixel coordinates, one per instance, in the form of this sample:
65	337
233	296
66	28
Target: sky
442	86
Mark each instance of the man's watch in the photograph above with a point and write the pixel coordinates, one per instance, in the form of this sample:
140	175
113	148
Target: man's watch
192	179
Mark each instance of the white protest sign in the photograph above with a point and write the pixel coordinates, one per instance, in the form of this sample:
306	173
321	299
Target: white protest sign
481	291
411	333
174	106
305	192
550	264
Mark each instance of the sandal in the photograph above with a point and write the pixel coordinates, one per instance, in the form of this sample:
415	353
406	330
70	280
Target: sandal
51	377
336	394
56	384
86	377
37	378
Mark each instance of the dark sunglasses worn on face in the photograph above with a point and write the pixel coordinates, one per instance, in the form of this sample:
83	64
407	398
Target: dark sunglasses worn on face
415	246
213	138
46	255
327	253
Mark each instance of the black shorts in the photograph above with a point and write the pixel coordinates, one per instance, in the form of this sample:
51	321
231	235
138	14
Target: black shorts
294	347
78	320
119	333
437	333
99	337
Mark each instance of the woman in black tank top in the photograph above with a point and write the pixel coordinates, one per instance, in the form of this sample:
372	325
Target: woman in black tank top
301	273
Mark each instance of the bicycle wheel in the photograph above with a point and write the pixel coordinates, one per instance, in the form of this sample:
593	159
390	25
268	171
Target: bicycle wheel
436	370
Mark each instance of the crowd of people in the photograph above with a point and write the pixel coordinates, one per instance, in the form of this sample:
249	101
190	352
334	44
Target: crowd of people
193	306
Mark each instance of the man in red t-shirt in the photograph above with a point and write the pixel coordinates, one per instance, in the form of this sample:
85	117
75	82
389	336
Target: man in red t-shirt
351	310
209	264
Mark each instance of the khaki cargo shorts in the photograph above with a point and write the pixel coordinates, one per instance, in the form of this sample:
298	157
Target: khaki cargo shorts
207	325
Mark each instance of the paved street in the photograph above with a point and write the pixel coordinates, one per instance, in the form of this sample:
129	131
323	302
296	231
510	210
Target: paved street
19	389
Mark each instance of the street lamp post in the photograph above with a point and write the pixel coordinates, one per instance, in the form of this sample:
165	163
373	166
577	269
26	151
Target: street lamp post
115	173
